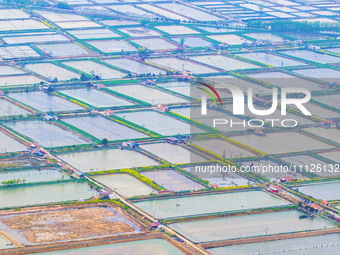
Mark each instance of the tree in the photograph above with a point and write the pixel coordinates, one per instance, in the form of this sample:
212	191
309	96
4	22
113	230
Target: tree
144	22
261	7
63	5
182	41
84	77
104	141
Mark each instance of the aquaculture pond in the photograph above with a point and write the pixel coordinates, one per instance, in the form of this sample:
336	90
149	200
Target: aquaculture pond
8	144
223	148
270	59
134	66
331	100
52	71
139	31
43	194
8	70
177	30
150	247
109	46
96	97
265	36
19	80
62	50
243	226
94	68
312	56
160	123
329	134
44	102
230	39
313	245
173	153
181	65
104	128
223	62
332	155
221	179
325	74
100	160
324	191
319	111
33	175
193	41
284	80
196	205
311	163
8	109
93	33
46	134
284	142
172	180
147	94
126	185
155	44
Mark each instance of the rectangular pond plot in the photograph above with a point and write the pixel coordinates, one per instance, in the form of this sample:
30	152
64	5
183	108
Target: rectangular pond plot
223	62
221	81
35	39
189	12
312	56
134	66
46	134
101	160
93	33
6	25
94	68
296	246
9	109
19	80
155	44
243	226
333	155
330	100
13	14
324	191
44	102
181	65
198	205
52	71
104	128
139	31
276	115
265	36
309	162
334	50
45	227
147	94
124	184
177	30
131	10
55	17
270	59
172	180
329	134
284	142
318	111
162	12
230	39
193	41
62	49
284	80
109	46
150	247
17	52
96	98
9	70
8	144
117	22
223	148
324	74
32	175
160	123
15	163
271	170
78	24
44	194
172	153
221	179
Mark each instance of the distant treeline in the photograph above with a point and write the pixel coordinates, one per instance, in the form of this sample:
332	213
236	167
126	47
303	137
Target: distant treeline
295	26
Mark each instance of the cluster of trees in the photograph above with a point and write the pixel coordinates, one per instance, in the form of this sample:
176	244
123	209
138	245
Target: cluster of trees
295	26
14	181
